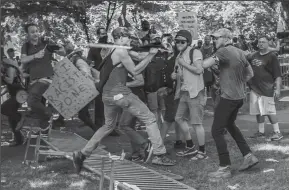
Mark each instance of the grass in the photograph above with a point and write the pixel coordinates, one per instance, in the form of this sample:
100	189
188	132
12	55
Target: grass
59	173
195	172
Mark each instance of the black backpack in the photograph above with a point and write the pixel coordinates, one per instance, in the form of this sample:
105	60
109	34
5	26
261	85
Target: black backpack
155	74
105	68
207	75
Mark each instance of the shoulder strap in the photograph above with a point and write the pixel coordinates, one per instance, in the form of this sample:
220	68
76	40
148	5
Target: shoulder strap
27	46
192	55
104	60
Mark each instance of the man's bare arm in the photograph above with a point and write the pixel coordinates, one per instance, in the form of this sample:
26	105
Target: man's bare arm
129	64
138	56
249	73
138	81
209	62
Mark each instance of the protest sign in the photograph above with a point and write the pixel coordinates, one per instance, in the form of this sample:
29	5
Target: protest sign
70	90
188	21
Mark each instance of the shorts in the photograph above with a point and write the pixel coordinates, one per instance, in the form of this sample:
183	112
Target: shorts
192	106
261	105
155	102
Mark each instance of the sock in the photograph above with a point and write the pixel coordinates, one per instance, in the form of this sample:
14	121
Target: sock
190	143
261	127
202	148
276	128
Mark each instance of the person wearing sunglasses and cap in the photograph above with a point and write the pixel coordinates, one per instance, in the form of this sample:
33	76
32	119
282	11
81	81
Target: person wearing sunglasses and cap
235	71
190	91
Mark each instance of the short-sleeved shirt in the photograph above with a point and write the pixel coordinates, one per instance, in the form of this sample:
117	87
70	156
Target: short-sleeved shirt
232	66
266	69
38	68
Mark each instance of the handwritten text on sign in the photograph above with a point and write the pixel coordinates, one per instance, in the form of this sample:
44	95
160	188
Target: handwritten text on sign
70	90
188	21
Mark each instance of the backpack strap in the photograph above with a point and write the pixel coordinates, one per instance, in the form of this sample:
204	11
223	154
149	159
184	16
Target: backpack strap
104	61
192	55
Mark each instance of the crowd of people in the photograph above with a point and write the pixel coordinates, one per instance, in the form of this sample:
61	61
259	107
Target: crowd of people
161	83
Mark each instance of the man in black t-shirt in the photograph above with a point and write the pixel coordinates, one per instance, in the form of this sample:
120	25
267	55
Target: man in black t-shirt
265	87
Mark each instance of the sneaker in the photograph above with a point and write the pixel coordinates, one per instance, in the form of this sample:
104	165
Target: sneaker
258	135
200	156
179	145
148	151
163	160
276	136
137	158
249	161
222	172
78	159
188	151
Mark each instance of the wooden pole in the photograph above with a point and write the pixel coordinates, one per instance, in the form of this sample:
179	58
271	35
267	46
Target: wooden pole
111	184
101	181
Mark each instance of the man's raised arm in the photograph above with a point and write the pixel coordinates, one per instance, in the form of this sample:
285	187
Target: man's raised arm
129	64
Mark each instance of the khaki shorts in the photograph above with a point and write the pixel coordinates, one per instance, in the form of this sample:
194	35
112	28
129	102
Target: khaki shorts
261	105
192	107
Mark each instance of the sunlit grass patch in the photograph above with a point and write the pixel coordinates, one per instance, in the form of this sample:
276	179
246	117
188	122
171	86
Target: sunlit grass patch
271	147
39	183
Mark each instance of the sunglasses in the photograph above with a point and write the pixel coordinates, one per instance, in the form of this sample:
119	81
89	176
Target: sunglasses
180	41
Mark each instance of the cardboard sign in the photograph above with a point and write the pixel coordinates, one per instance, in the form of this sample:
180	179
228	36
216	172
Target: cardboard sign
188	21
70	90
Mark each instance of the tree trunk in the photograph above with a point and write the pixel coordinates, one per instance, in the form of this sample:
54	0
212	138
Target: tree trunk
285	6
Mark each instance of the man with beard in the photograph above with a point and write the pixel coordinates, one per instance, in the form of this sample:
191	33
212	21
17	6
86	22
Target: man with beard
36	56
116	96
191	92
235	71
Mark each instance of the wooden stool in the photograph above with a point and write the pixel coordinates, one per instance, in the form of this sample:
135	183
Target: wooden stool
35	132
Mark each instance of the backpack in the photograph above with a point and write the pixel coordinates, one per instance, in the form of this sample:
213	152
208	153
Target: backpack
105	68
155	74
207	75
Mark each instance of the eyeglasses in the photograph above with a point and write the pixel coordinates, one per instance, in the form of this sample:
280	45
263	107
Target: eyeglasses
180	41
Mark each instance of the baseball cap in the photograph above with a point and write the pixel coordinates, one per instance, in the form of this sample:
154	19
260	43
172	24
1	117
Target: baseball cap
186	34
224	32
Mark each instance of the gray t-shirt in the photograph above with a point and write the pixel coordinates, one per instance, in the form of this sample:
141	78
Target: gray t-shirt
232	66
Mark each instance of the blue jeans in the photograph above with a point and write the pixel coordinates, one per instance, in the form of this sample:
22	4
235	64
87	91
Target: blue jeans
38	108
132	104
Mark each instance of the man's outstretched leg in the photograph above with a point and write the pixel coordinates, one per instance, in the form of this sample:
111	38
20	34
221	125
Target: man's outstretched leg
110	112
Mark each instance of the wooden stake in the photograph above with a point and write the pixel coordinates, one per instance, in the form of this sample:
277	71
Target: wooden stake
111	184
102	174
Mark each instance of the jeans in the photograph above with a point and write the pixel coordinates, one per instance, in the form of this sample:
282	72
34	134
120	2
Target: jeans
38	109
137	108
127	123
224	118
10	108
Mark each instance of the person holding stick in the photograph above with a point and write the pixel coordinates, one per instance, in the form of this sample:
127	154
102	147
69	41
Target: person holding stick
116	96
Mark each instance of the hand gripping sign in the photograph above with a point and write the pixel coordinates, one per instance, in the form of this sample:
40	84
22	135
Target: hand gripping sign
70	90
